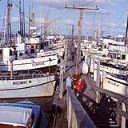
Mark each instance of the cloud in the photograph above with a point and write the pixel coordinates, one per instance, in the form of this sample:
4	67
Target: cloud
69	22
104	11
40	20
115	25
54	3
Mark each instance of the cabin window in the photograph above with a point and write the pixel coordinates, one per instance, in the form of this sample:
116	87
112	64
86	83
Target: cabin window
123	57
114	56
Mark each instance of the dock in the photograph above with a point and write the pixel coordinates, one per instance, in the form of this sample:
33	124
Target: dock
68	112
99	108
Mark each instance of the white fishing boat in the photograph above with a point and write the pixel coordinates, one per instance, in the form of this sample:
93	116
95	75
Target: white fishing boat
26	61
26	71
111	69
114	83
33	85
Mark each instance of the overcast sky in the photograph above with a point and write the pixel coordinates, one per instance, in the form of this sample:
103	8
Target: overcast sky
109	19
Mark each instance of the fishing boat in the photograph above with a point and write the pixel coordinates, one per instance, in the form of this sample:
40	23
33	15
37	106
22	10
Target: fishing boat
23	114
31	78
111	69
26	61
116	83
26	72
26	85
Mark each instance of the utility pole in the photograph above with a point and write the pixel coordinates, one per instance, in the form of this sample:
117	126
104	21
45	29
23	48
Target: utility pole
81	11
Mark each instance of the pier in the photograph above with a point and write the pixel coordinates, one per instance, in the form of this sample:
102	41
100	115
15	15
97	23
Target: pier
99	108
109	112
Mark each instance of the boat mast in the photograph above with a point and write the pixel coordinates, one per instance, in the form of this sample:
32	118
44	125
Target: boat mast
22	19
46	24
7	32
31	18
126	34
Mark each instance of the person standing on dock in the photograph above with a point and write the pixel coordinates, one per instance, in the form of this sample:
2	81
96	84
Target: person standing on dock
68	82
75	77
79	89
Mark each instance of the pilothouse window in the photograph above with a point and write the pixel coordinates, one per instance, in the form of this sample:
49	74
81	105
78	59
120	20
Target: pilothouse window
123	57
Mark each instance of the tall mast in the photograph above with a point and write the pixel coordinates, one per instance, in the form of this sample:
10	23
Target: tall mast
72	32
22	19
126	35
7	32
81	11
46	24
31	18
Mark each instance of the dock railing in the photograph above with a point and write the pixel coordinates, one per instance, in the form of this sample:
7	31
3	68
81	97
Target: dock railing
76	115
122	105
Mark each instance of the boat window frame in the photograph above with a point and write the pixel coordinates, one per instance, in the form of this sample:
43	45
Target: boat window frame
123	57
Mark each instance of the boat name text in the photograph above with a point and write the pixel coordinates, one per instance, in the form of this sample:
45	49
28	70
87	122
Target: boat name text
37	63
20	82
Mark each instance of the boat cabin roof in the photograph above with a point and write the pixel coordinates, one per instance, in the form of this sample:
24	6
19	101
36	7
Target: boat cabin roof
118	52
15	116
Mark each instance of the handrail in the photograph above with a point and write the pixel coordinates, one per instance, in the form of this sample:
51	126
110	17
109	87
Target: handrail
76	115
23	76
122	105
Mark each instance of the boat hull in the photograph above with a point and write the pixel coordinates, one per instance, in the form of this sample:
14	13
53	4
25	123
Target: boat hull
34	87
38	90
42	90
115	85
